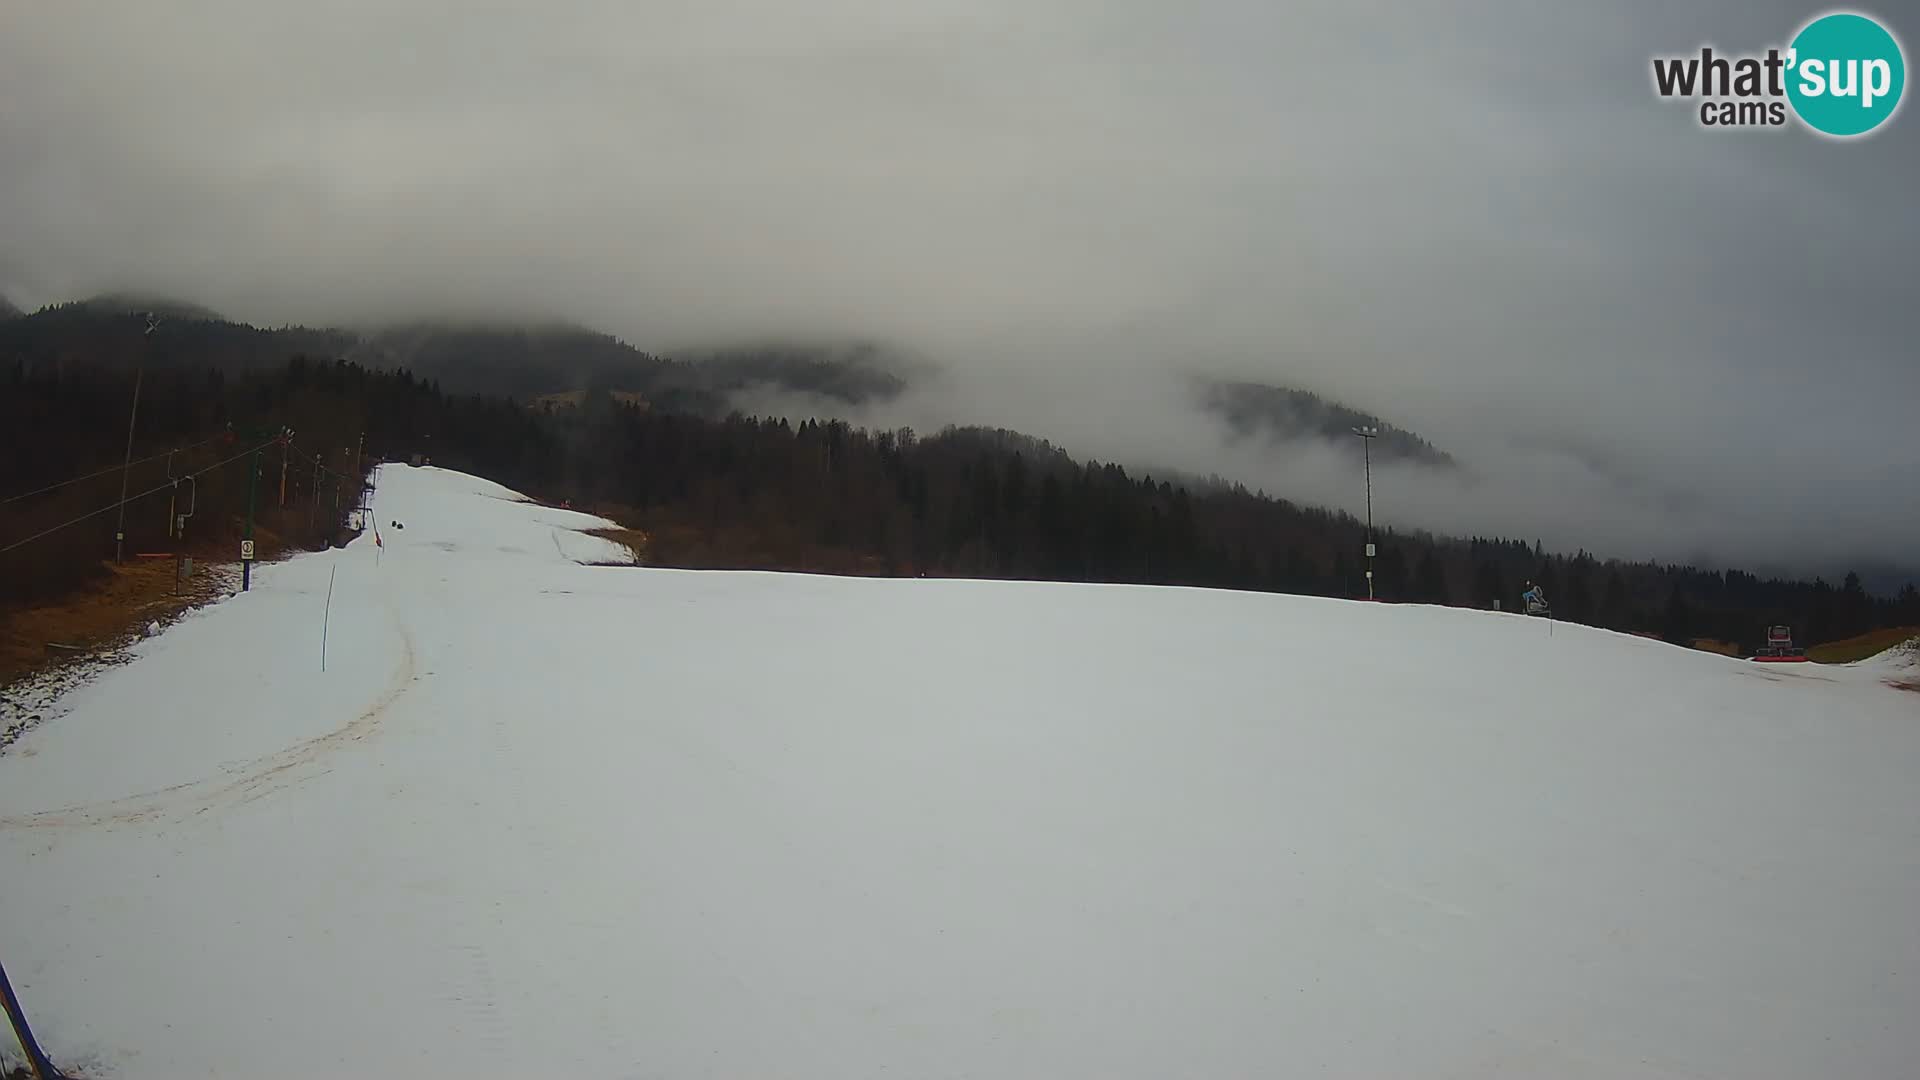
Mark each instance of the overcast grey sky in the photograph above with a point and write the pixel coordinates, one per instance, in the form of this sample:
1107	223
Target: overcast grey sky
1474	219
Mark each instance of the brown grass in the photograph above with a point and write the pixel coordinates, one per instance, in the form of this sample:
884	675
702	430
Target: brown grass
565	399
632	539
1713	645
103	615
573	399
683	540
1872	643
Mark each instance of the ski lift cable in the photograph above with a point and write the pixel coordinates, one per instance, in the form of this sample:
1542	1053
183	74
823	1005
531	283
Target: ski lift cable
108	469
131	498
319	462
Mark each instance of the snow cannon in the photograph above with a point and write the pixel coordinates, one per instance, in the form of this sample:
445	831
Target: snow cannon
1534	601
1779	647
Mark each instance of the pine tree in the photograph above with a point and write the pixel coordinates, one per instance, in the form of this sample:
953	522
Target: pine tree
1676	625
1579	601
1430	583
1906	607
1855	613
1616	611
1489	589
1821	621
1345	578
1390	574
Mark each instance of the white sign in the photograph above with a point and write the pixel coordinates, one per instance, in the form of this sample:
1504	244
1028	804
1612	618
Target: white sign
246	550
1369	551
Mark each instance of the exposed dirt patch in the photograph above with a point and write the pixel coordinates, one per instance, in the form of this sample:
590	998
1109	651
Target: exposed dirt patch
129	597
1872	643
47	650
693	541
1712	645
573	399
632	539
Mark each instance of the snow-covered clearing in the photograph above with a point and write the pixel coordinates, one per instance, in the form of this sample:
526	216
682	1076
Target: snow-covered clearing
539	818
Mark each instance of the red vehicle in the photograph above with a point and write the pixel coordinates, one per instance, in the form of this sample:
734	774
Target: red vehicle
1780	647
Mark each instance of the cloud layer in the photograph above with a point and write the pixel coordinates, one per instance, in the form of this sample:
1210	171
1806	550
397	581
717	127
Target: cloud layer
1476	220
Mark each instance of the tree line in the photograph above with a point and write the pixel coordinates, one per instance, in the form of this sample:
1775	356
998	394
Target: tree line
975	503
739	491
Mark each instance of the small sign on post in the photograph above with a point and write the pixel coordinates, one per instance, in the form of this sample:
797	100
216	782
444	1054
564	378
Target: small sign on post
1369	551
246	551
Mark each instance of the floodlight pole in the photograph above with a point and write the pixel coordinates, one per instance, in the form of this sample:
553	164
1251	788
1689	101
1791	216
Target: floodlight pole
1367	435
126	463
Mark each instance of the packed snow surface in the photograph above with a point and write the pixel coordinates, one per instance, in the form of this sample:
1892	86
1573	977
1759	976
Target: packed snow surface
545	818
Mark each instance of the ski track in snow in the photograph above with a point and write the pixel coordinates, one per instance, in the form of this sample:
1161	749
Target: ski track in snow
541	817
255	779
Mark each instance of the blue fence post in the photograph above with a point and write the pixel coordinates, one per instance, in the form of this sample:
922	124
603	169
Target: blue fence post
36	1061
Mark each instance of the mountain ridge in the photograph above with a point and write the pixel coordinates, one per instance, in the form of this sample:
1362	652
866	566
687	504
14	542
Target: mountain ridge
1281	414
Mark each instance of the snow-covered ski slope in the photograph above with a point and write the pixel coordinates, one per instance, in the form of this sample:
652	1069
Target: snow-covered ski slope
541	818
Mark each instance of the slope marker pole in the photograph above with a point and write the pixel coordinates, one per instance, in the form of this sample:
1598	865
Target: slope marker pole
37	1062
246	544
326	616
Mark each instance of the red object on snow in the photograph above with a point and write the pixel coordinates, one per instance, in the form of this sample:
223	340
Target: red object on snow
1780	648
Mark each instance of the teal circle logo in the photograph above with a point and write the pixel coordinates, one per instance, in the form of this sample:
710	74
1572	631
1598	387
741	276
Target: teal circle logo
1845	74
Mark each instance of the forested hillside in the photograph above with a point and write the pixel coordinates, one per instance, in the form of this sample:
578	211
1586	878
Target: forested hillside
1282	414
517	361
744	492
